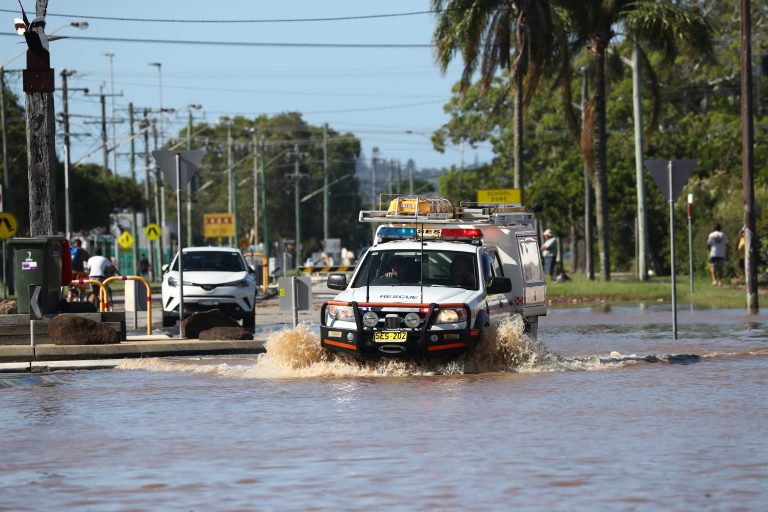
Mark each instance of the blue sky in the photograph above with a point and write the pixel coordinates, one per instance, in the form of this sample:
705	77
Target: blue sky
391	98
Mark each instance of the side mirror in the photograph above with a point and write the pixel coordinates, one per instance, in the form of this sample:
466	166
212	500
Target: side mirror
165	268
251	269
337	281
499	285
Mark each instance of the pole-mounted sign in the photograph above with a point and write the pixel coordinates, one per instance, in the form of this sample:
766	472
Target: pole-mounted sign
671	176
178	168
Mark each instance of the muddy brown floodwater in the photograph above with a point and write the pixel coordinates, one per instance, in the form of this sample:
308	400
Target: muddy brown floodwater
604	412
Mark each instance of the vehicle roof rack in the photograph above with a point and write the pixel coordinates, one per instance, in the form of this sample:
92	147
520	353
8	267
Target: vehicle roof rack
438	210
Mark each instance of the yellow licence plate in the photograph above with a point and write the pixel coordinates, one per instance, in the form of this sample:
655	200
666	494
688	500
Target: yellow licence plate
390	336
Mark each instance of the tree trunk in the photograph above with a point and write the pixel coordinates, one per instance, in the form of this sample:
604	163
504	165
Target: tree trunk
601	186
518	135
40	159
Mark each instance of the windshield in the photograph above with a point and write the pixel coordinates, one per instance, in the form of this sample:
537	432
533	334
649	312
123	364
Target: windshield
214	261
406	268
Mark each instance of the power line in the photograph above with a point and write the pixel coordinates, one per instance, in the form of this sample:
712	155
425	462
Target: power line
242	43
273	20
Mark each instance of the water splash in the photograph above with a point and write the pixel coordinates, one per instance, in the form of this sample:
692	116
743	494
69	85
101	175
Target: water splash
296	353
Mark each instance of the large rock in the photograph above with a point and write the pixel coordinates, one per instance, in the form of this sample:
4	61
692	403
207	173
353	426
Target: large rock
75	330
226	333
8	307
193	325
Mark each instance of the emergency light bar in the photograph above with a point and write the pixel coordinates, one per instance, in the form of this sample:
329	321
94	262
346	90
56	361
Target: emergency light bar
411	233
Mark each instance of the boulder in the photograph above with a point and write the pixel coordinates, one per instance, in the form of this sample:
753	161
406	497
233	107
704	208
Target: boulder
75	330
226	333
8	307
194	324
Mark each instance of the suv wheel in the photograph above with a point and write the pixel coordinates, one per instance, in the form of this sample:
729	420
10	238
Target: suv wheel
168	321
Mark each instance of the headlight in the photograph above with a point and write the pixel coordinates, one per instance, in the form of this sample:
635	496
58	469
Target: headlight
343	313
412	320
451	316
172	282
243	283
370	319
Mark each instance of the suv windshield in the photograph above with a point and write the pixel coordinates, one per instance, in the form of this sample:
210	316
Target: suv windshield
406	268
214	261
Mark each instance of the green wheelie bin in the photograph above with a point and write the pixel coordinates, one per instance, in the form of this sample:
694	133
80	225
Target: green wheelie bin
37	260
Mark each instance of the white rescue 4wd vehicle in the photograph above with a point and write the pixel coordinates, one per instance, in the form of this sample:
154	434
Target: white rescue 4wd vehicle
435	278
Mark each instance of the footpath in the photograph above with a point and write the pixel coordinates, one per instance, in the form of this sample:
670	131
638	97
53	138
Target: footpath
160	343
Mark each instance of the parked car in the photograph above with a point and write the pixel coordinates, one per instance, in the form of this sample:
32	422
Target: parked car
214	278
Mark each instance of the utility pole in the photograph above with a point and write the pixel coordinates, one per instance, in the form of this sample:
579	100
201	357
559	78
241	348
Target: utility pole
4	128
189	184
144	126
264	198
104	140
410	177
399	177
111	57
297	203
589	261
391	179
325	183
231	182
159	196
105	146
255	143
41	127
136	248
642	231
67	157
747	159
373	177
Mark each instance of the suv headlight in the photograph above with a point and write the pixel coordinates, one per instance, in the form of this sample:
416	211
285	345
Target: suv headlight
342	313
243	283
172	282
451	316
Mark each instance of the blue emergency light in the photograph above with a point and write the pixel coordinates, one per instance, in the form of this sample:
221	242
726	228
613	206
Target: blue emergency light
392	232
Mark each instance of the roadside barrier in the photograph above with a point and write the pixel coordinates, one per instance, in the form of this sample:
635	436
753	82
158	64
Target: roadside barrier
102	291
131	278
264	268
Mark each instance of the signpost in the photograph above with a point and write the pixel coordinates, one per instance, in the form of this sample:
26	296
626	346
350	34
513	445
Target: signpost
671	176
499	195
178	168
35	313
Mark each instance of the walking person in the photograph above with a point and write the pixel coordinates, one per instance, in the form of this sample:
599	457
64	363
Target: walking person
549	252
717	241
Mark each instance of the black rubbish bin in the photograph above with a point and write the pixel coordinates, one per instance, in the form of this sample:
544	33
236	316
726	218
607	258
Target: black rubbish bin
37	260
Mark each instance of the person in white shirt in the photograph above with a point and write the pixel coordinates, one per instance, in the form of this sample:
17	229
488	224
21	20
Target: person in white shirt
718	251
99	268
549	252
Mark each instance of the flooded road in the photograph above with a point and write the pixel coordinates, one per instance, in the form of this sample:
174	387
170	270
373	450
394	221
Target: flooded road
605	412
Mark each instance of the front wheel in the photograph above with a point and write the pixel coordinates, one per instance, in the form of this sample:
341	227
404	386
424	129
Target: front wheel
168	321
249	321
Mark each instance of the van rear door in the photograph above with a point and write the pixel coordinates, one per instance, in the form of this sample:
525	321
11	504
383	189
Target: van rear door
535	295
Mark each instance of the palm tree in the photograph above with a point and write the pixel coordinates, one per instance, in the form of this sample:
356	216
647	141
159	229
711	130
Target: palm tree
486	32
592	25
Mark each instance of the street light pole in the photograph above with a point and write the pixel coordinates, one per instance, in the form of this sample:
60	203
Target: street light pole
297	213
190	107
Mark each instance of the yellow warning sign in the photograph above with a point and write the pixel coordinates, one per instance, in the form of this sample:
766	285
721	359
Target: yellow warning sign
126	240
218	225
153	232
8	225
499	195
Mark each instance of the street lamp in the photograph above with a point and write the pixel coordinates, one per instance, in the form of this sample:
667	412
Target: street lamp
231	198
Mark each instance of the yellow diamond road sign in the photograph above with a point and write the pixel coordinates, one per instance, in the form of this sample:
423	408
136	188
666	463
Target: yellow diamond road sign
126	240
152	231
8	225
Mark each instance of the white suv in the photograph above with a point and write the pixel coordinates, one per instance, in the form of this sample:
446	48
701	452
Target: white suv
214	278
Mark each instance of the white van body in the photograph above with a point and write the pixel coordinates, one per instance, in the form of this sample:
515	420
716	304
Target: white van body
370	317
